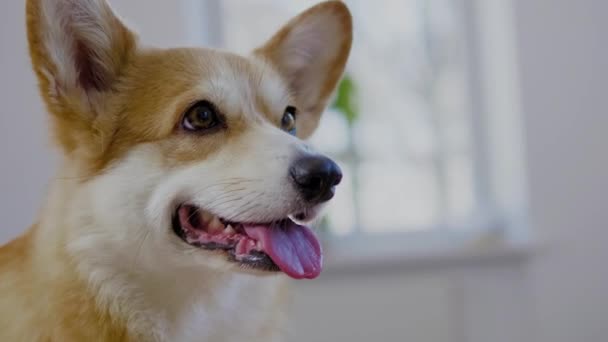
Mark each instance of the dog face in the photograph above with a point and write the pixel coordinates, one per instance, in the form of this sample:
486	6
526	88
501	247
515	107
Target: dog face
190	158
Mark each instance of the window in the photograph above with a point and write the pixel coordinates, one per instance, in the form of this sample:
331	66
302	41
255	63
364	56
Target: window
408	147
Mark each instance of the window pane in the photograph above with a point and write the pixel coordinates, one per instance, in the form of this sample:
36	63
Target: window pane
341	219
460	196
397	196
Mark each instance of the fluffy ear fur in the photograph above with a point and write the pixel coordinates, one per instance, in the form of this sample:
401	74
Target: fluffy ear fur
311	51
78	50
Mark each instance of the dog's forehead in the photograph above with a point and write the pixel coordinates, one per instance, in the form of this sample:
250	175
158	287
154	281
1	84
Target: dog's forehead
239	86
249	87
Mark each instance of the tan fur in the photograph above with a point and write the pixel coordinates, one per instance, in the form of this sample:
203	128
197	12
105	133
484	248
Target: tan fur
95	268
45	300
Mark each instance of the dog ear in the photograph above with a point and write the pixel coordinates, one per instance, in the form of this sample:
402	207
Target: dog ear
78	49
310	51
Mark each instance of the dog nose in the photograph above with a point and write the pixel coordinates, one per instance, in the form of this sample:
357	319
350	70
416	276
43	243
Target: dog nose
315	177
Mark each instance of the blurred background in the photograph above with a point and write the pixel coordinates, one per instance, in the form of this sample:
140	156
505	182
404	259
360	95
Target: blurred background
473	135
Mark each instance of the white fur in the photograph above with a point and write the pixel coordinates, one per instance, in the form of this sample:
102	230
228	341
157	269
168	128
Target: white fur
235	92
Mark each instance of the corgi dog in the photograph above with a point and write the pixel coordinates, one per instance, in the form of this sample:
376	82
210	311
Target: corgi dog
185	191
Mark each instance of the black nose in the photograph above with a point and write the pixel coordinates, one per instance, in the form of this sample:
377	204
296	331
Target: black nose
315	177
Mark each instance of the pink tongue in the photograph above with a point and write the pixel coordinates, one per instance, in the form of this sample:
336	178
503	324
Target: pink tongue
295	249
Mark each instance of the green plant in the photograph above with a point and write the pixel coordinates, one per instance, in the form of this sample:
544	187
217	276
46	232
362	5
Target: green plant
345	101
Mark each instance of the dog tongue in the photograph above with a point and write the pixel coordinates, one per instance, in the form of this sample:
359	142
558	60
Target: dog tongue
294	248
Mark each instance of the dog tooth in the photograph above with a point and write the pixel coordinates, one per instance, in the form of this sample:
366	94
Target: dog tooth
206	217
258	245
229	230
216	224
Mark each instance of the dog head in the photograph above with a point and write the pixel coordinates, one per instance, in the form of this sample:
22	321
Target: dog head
190	157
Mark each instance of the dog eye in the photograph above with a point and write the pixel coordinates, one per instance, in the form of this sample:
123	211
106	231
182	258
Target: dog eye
288	122
201	116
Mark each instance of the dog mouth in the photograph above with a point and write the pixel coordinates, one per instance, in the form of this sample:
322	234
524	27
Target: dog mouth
281	245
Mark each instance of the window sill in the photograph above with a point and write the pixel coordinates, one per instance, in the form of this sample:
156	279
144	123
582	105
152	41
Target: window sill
421	251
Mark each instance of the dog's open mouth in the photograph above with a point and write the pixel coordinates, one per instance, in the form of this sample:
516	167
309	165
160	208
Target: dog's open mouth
278	246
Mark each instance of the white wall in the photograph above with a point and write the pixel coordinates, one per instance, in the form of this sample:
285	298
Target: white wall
481	301
564	72
26	161
559	293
